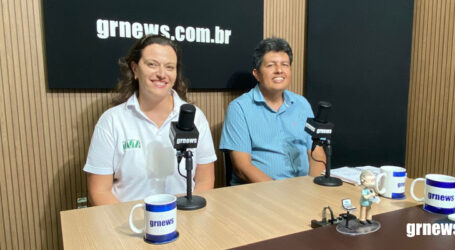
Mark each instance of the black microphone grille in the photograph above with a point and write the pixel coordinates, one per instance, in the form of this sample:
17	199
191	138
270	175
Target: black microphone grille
186	117
323	112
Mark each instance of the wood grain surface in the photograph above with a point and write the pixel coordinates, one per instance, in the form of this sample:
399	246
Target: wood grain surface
234	216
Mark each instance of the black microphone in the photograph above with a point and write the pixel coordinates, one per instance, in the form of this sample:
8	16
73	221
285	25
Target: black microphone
186	117
321	130
183	133
323	112
319	127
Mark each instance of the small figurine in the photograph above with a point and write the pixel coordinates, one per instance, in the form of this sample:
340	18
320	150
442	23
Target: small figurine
369	195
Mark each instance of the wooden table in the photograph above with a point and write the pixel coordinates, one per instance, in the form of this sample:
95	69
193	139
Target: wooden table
234	216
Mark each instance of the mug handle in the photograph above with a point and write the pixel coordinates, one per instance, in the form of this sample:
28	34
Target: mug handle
378	180
134	228
412	189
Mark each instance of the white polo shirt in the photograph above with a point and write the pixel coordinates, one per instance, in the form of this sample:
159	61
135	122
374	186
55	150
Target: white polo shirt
129	145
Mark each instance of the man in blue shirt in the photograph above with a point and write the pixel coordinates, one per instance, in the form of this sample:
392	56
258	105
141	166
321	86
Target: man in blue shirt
264	129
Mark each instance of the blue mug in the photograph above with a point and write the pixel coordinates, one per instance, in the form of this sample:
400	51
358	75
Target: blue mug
393	180
160	215
439	194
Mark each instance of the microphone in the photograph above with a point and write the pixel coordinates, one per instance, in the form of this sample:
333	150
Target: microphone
319	127
183	133
321	131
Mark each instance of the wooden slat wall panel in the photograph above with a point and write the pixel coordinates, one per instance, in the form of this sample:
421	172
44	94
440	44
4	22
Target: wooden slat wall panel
45	134
287	19
431	114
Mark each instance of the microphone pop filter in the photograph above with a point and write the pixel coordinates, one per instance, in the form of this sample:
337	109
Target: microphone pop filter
186	117
323	112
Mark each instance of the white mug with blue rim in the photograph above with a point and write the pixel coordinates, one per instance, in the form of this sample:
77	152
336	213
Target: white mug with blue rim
393	182
160	217
439	193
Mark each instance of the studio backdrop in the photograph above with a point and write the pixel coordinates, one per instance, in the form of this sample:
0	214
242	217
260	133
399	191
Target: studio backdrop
85	39
358	58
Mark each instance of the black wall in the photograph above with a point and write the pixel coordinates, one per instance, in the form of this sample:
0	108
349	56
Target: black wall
358	58
84	39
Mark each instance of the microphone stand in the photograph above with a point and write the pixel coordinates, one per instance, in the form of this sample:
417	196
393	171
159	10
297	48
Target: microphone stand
190	201
326	180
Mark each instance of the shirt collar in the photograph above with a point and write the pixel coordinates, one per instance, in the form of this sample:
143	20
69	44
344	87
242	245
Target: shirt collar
288	98
177	103
258	97
257	94
133	102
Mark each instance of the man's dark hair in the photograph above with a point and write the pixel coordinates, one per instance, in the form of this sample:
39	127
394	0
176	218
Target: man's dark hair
270	44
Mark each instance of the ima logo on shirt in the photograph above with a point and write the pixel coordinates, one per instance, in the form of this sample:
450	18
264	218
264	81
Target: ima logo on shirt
131	143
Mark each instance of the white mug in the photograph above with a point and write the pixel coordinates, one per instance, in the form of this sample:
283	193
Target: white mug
394	182
160	219
439	193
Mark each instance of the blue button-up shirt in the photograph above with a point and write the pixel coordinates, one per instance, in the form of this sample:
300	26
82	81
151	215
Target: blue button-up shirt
276	140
